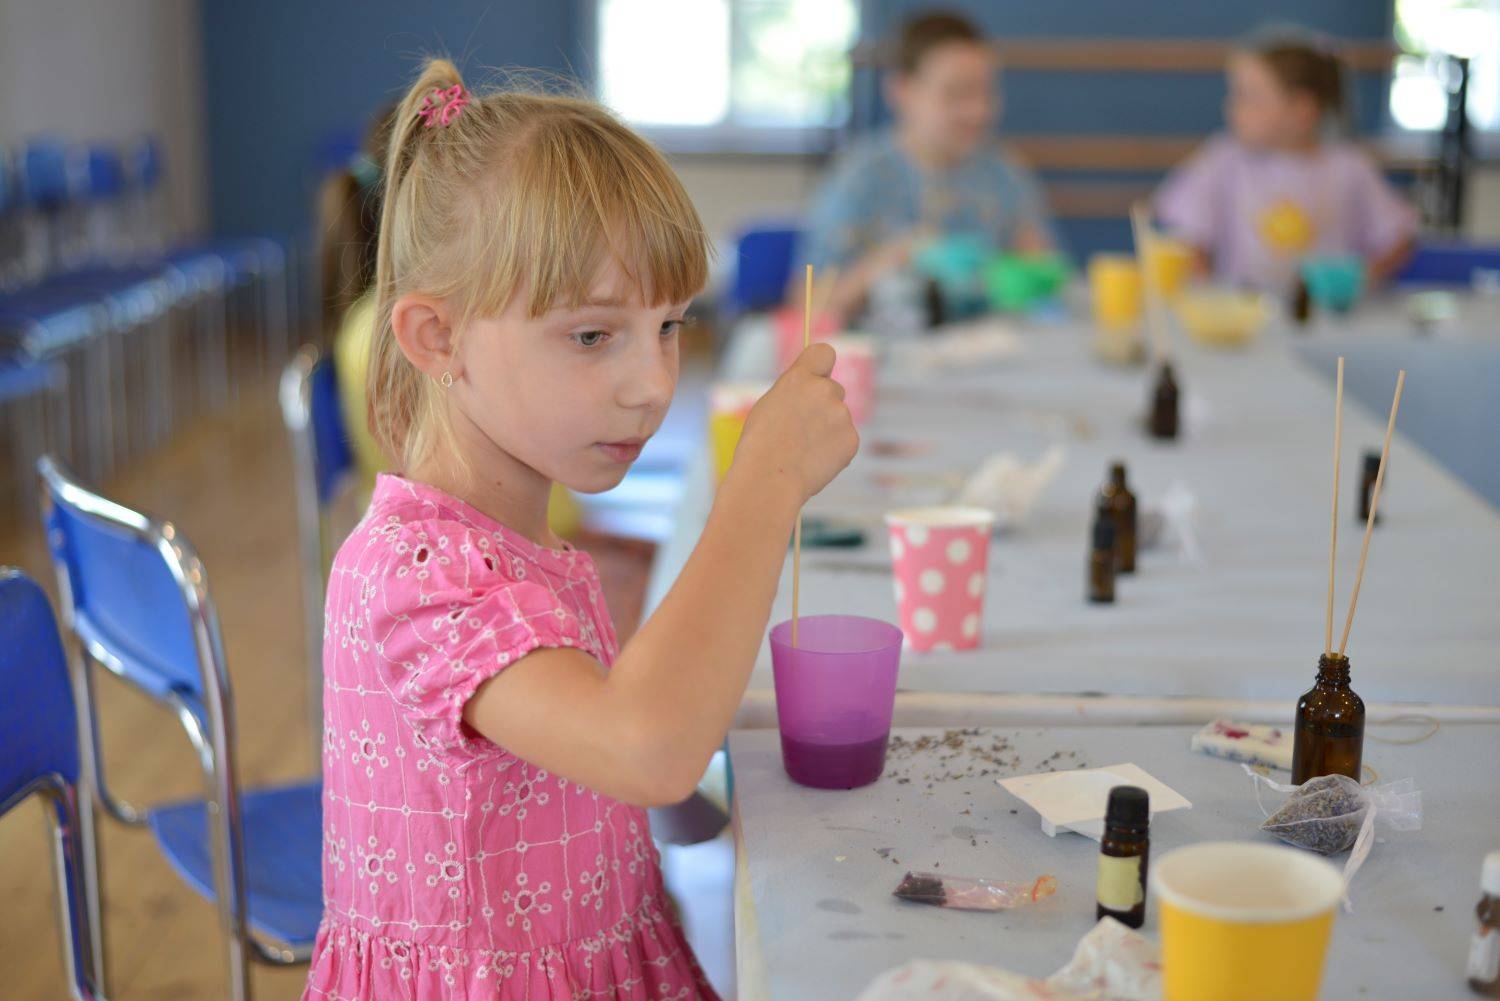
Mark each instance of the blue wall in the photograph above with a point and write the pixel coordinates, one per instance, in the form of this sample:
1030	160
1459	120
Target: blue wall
283	77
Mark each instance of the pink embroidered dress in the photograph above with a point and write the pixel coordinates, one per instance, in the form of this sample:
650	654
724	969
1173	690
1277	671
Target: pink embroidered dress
451	868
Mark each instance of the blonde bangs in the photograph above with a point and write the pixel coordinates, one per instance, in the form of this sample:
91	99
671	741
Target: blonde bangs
581	190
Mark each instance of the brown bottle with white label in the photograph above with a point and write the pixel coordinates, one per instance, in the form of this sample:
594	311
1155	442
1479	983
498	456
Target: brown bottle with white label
1124	850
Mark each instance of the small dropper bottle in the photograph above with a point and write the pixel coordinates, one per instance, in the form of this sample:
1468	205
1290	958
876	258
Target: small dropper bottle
1124	850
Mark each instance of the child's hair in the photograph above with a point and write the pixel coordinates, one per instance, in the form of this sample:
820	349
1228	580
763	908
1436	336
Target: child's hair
927	31
1302	66
515	193
349	225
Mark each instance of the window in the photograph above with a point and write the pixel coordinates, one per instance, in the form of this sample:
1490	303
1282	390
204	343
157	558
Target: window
1428	30
727	74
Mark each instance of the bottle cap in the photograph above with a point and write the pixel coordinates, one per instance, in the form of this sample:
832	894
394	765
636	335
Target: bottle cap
1104	532
1372	463
1117	473
1129	806
1489	876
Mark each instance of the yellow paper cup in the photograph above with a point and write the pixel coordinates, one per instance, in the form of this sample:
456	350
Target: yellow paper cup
1115	282
1242	921
729	404
1169	263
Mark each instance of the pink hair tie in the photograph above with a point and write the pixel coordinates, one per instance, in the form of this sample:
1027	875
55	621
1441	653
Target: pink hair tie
442	106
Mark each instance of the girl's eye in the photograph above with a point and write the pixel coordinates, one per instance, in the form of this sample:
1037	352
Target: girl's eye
590	338
672	326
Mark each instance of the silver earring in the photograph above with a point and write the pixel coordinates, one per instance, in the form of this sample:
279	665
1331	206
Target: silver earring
447	379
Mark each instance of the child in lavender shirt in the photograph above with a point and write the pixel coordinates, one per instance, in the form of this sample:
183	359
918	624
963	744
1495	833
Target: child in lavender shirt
1276	190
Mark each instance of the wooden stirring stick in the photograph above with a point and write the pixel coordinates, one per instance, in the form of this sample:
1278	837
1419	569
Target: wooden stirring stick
807	303
1385	451
1333	535
1140	228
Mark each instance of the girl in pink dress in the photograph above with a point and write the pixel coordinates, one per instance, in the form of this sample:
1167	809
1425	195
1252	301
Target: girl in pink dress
488	751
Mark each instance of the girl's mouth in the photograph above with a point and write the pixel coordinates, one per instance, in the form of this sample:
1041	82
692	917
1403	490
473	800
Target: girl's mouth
626	450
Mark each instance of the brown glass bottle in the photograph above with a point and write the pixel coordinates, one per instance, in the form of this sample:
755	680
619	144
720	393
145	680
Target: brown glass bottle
1367	486
1163	420
1124	852
1102	560
934	309
1301	302
1118	503
1329	736
1484	948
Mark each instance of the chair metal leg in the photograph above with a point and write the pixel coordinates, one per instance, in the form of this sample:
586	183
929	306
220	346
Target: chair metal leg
77	892
159	382
91	748
98	407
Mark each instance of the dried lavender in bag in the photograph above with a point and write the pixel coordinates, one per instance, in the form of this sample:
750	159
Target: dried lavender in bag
1333	813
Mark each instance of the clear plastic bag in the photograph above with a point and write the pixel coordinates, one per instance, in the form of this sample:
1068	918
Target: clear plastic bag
1333	813
967	893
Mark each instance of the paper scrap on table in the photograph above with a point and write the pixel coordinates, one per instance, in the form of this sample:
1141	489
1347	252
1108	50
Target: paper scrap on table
1009	487
1075	800
1172	522
959	346
1111	963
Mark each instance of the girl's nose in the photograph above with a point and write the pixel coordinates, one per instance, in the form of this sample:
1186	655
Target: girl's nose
652	379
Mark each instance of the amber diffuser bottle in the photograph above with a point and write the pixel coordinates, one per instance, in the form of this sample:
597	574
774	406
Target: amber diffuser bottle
1329	736
1162	421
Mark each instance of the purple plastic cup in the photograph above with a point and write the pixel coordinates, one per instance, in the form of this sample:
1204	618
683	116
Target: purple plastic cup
835	692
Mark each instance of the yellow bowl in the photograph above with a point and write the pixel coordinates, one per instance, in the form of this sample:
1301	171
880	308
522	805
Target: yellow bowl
1221	317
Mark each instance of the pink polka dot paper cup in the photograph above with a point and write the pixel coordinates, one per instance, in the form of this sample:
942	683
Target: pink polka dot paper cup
940	556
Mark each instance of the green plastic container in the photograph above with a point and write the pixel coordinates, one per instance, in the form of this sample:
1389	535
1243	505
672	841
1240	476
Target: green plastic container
1018	282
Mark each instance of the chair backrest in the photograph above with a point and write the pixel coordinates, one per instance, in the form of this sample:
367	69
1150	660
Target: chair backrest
49	175
106	173
322	457
311	409
763	265
38	725
134	591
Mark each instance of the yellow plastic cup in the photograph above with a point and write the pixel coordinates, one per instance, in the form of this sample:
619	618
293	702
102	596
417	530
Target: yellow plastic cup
1115	282
1243	921
1169	263
729	404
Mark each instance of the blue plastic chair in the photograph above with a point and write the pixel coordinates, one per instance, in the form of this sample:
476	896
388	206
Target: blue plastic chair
255	263
322	460
763	265
39	756
1451	263
33	405
135	596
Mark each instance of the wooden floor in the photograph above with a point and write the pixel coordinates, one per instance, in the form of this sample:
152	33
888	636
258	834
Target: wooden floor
227	485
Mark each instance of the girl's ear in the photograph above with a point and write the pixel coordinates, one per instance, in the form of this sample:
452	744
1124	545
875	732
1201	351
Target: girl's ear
422	328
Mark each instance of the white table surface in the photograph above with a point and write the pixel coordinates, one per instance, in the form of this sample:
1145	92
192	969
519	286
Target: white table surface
1246	627
817	919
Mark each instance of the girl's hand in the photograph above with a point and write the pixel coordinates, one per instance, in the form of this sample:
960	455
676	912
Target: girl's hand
800	429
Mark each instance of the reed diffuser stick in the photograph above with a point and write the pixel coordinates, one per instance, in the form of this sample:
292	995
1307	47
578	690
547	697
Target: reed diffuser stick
1364	550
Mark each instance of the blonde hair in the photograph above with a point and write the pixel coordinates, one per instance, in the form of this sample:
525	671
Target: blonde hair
520	191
